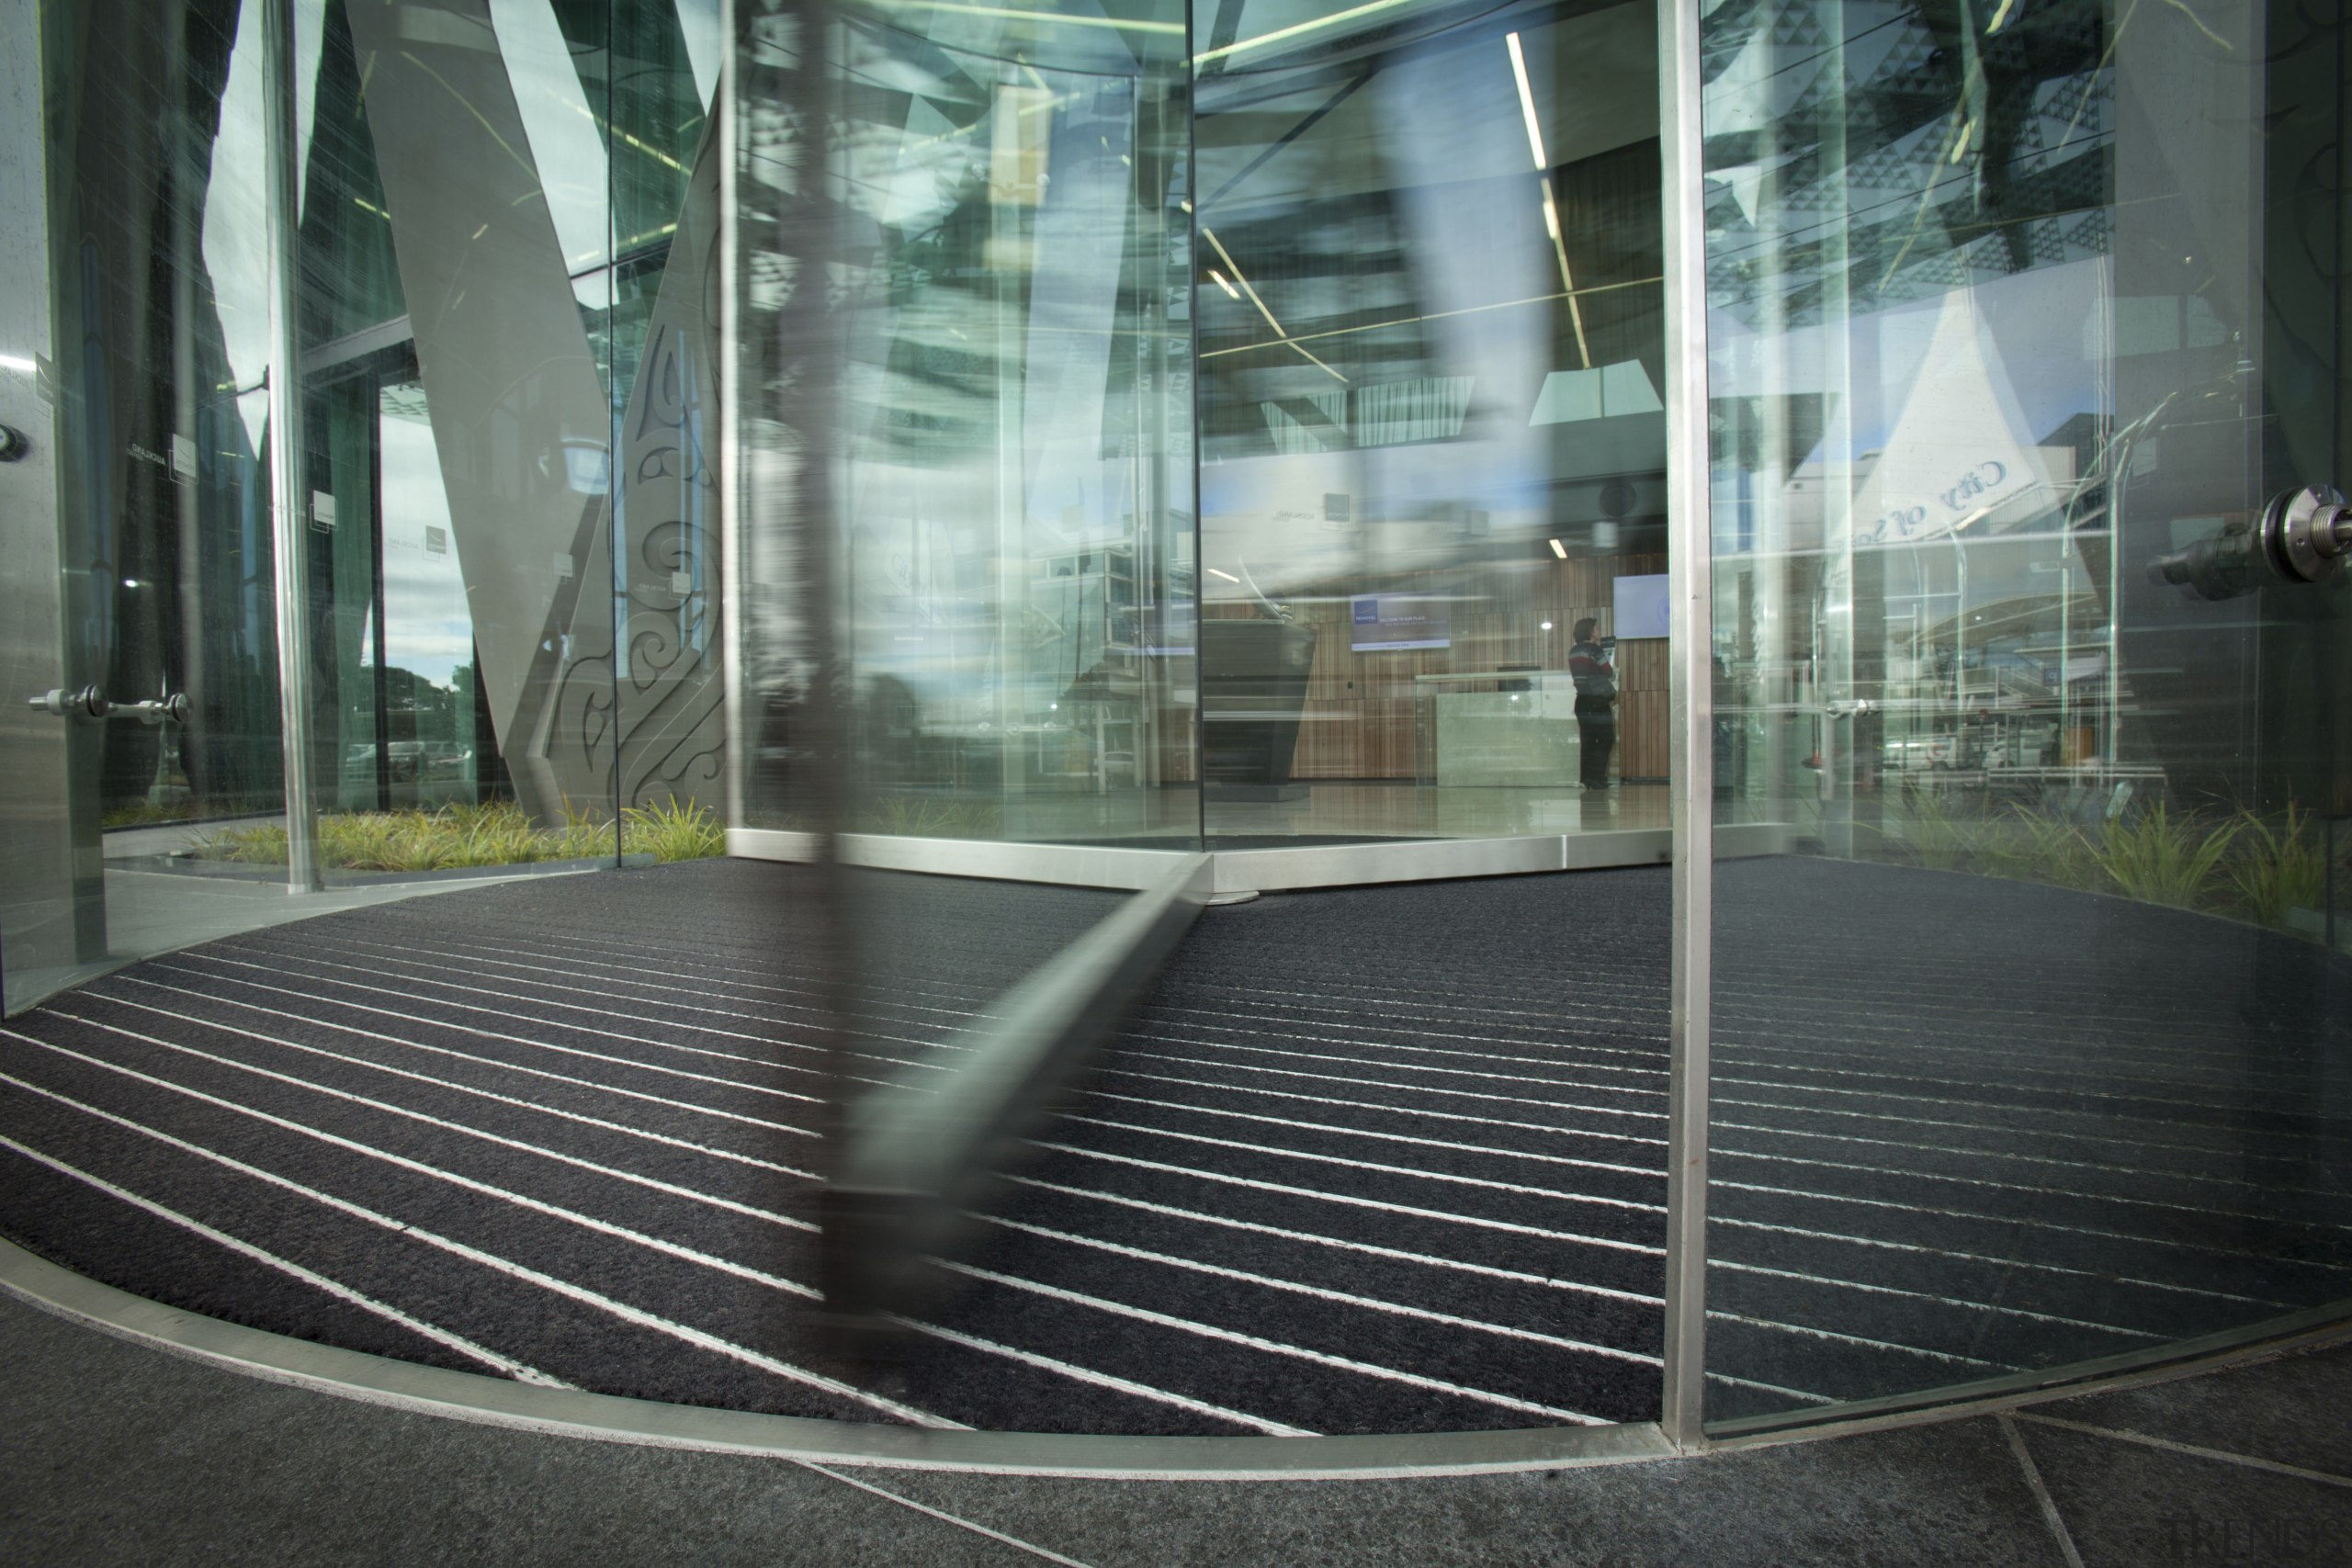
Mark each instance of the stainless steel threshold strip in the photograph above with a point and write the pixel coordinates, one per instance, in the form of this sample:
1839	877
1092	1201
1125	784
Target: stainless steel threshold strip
1368	864
2156	1363
469	1396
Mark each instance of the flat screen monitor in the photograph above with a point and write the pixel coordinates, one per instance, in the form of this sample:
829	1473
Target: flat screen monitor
1391	622
1641	607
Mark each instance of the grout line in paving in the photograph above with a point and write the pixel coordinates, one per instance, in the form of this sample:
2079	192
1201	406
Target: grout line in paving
2193	1450
941	1515
2040	1493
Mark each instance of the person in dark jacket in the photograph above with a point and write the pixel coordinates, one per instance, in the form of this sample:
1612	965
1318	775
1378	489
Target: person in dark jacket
1590	663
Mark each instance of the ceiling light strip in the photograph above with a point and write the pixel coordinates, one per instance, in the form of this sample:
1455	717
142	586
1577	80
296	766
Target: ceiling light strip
1568	279
1296	30
1013	14
1240	278
1527	104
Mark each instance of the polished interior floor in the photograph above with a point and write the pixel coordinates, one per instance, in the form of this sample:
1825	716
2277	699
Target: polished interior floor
1378	1159
1410	811
1336	810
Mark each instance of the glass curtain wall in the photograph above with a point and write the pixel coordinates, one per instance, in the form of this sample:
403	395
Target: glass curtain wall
502	227
2024	332
1432	439
513	572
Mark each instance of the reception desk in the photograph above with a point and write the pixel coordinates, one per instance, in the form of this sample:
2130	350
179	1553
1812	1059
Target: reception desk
1516	728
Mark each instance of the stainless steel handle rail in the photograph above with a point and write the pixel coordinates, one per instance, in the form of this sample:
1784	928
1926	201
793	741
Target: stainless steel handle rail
93	706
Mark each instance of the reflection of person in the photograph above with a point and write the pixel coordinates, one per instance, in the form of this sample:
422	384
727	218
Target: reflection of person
1596	678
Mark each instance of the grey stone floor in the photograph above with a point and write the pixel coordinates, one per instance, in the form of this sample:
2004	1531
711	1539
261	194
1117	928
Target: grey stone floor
111	1452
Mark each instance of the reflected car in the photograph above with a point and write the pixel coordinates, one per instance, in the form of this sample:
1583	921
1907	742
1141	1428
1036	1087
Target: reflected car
413	760
447	760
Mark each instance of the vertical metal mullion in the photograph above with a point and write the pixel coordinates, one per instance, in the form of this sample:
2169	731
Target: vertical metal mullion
1188	75
615	586
1691	574
381	680
290	540
739	751
811	337
1007	302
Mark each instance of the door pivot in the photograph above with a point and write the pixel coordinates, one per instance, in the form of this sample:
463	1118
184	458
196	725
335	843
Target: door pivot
2301	536
92	704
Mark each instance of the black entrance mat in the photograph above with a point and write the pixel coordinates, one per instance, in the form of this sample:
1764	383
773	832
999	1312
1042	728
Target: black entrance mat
1377	1160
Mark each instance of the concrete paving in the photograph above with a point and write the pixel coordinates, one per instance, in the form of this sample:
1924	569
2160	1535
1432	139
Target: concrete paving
114	1452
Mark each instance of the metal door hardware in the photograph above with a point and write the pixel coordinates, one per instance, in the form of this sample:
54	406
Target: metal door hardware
2309	529
92	704
2301	536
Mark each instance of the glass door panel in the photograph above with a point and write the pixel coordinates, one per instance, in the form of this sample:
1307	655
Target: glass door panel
455	280
156	541
1014	560
51	908
2027	395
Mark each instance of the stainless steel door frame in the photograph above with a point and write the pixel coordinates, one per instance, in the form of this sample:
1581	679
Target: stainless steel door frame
1690	703
52	891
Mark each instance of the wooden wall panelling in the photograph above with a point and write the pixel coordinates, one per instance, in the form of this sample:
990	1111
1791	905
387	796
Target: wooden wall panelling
1359	717
1642	733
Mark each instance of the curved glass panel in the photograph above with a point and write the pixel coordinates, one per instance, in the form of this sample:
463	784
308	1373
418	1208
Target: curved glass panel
1014	555
2029	1003
1433	435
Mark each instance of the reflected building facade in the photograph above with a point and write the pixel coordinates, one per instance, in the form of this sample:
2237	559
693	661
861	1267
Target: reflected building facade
1998	345
490	614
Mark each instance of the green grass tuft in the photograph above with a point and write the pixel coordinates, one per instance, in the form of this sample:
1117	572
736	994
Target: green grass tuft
673	831
929	817
2277	868
1941	838
2161	859
497	832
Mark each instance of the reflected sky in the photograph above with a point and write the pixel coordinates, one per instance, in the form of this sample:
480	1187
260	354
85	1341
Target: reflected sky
566	146
237	229
428	627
